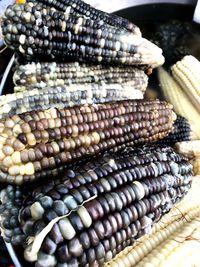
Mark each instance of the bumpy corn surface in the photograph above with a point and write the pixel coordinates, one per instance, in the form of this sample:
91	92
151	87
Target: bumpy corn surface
65	96
187	73
175	233
181	132
40	75
189	149
126	193
177	97
81	8
38	144
45	33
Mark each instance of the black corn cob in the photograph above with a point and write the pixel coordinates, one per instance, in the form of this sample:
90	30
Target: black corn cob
39	75
46	33
81	8
38	144
66	96
11	202
181	132
132	190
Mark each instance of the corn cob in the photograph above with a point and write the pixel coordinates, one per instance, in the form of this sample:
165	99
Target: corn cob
187	73
181	132
132	189
175	95
39	75
65	96
37	144
167	236
189	149
196	165
81	8
46	33
11	202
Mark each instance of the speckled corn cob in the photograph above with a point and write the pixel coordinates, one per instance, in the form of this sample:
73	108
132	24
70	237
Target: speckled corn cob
46	33
182	105
39	75
169	236
181	132
65	96
82	8
187	73
11	202
38	144
125	194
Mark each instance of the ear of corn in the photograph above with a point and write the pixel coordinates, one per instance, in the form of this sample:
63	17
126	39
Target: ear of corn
108	203
187	73
181	132
37	144
175	233
189	149
81	8
65	96
40	75
46	33
182	105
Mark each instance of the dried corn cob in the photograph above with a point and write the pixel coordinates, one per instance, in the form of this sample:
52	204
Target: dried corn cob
39	75
47	33
11	202
37	144
181	132
151	250
175	95
65	96
189	149
187	73
127	201
196	165
81	8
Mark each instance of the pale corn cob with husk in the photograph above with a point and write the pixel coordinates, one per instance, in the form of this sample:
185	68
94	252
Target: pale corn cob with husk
190	150
38	144
65	96
39	75
115	199
177	97
48	34
176	232
187	73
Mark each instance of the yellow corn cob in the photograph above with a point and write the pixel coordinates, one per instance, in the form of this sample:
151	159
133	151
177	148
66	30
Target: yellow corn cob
182	105
190	149
187	73
173	241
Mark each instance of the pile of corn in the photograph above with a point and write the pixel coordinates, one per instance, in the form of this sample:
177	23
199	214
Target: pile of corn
82	161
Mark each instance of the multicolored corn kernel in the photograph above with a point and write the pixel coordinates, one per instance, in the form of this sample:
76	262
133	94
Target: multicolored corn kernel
48	34
38	144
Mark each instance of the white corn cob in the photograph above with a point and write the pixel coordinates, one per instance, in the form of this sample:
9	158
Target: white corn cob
187	73
176	96
174	240
190	149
